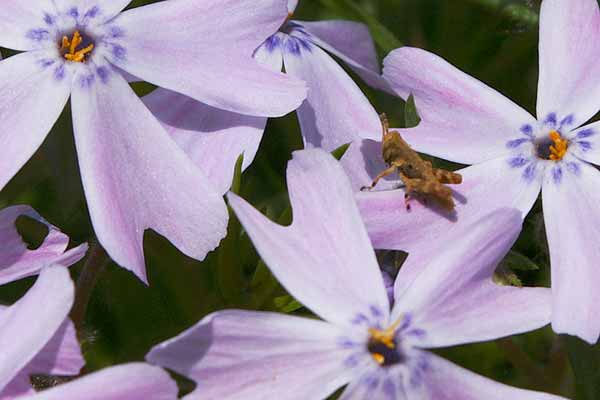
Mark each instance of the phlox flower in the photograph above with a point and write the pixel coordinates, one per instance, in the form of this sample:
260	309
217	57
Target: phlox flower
325	260
335	112
17	261
515	155
36	337
135	177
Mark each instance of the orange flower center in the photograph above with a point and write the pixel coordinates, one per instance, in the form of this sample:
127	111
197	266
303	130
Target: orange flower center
70	51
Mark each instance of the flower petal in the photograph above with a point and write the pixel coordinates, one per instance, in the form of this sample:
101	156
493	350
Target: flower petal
335	112
26	85
454	300
135	177
16	261
270	54
324	258
97	11
122	382
569	68
486	186
462	119
585	143
29	324
212	138
60	356
257	356
352	43
362	162
292	4
443	380
18	18
572	222
217	69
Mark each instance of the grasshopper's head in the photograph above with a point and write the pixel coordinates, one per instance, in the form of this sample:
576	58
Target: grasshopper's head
393	147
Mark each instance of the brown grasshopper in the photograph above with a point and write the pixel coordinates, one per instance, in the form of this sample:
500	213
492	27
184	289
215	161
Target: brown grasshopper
418	175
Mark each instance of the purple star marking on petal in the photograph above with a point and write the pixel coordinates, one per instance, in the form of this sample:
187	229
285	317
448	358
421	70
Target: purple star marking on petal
48	19
566	121
353	360
573	168
119	52
406	322
417	332
375	311
87	80
92	12
346	343
46	62
529	173
527	130
38	34
584	145
585	133
557	174
371	382
551	120
512	144
296	45
360	319
518	161
272	43
103	73
116	32
59	72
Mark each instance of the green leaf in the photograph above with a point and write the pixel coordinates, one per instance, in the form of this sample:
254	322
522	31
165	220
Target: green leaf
263	285
516	261
287	304
585	361
230	275
340	151
411	116
521	14
383	37
506	277
236	183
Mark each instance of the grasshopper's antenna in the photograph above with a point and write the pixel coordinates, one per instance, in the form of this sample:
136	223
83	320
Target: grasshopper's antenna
385	125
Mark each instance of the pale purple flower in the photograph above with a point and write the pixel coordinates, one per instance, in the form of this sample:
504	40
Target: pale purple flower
121	382
36	337
325	260
335	112
135	177
465	121
17	261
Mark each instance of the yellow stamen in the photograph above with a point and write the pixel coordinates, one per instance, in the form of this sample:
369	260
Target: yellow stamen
379	358
71	45
385	337
559	148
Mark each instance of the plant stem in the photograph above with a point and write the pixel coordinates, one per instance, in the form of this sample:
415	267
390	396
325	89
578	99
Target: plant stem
94	265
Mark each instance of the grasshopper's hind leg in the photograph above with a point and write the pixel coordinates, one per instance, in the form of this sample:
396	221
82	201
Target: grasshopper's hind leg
383	174
444	176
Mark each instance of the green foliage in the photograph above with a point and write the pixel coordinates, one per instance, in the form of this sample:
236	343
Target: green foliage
585	360
411	116
349	9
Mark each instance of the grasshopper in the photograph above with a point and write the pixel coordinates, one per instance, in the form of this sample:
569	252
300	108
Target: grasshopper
418	175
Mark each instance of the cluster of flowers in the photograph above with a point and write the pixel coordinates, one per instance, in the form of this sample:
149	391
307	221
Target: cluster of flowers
165	161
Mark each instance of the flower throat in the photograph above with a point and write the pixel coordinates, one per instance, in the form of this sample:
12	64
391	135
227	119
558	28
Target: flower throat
77	48
554	147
